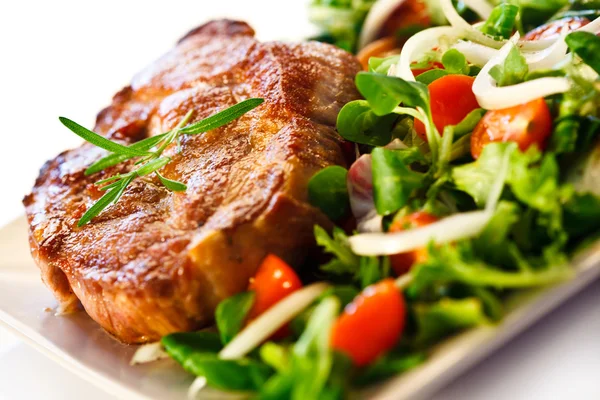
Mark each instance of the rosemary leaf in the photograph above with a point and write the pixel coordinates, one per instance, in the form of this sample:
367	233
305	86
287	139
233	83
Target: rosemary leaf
111	196
152	166
100	141
115	159
172	185
222	118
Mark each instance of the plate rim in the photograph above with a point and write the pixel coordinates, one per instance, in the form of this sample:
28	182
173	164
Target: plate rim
452	358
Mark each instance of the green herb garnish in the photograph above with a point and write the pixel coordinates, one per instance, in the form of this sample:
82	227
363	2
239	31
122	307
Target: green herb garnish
147	152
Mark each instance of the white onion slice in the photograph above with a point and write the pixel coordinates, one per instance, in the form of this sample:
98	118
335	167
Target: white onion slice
418	44
491	97
271	320
378	15
475	53
592	27
481	7
549	57
450	229
196	387
149	353
480	55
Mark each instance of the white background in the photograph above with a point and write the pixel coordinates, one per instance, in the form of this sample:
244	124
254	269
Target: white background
69	57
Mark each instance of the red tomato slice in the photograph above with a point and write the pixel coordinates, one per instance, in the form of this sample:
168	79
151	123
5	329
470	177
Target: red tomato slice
273	281
526	124
403	262
371	324
452	99
554	29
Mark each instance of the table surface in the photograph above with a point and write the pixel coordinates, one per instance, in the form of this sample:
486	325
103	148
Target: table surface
69	57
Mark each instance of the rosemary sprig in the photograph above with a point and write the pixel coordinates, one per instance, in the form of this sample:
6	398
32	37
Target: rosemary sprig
147	152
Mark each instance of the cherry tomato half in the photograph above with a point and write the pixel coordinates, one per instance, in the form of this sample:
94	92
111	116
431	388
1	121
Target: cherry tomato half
526	124
402	263
273	281
452	99
554	29
371	324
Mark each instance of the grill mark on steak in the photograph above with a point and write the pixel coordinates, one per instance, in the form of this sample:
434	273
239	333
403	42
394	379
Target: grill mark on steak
159	262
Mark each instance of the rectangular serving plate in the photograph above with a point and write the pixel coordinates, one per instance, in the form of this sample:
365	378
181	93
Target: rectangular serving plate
80	345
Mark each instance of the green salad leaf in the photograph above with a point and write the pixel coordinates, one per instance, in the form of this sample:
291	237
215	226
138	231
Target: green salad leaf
587	46
393	180
455	62
384	93
231	314
197	352
309	362
358	123
327	190
514	69
446	317
344	260
501	21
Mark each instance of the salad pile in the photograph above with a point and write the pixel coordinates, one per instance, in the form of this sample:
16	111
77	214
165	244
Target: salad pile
474	178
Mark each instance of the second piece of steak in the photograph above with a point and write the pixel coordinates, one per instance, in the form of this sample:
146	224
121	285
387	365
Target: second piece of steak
158	262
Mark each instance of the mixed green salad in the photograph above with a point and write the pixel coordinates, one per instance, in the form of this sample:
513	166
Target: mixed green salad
467	186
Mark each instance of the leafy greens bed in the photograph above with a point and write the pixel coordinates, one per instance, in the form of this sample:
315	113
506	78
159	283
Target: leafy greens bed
462	193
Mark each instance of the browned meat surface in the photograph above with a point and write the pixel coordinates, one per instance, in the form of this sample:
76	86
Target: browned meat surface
159	262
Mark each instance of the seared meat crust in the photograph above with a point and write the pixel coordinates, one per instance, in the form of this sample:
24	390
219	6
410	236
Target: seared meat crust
159	262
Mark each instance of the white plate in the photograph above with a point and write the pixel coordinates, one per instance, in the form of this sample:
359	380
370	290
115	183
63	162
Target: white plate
77	343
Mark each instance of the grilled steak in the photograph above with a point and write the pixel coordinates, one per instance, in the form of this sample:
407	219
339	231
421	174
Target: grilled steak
158	262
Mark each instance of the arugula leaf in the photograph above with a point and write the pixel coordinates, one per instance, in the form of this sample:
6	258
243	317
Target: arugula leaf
328	191
312	357
309	370
458	264
587	46
514	69
338	246
445	317
357	123
393	181
231	314
384	93
478	177
501	21
455	62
